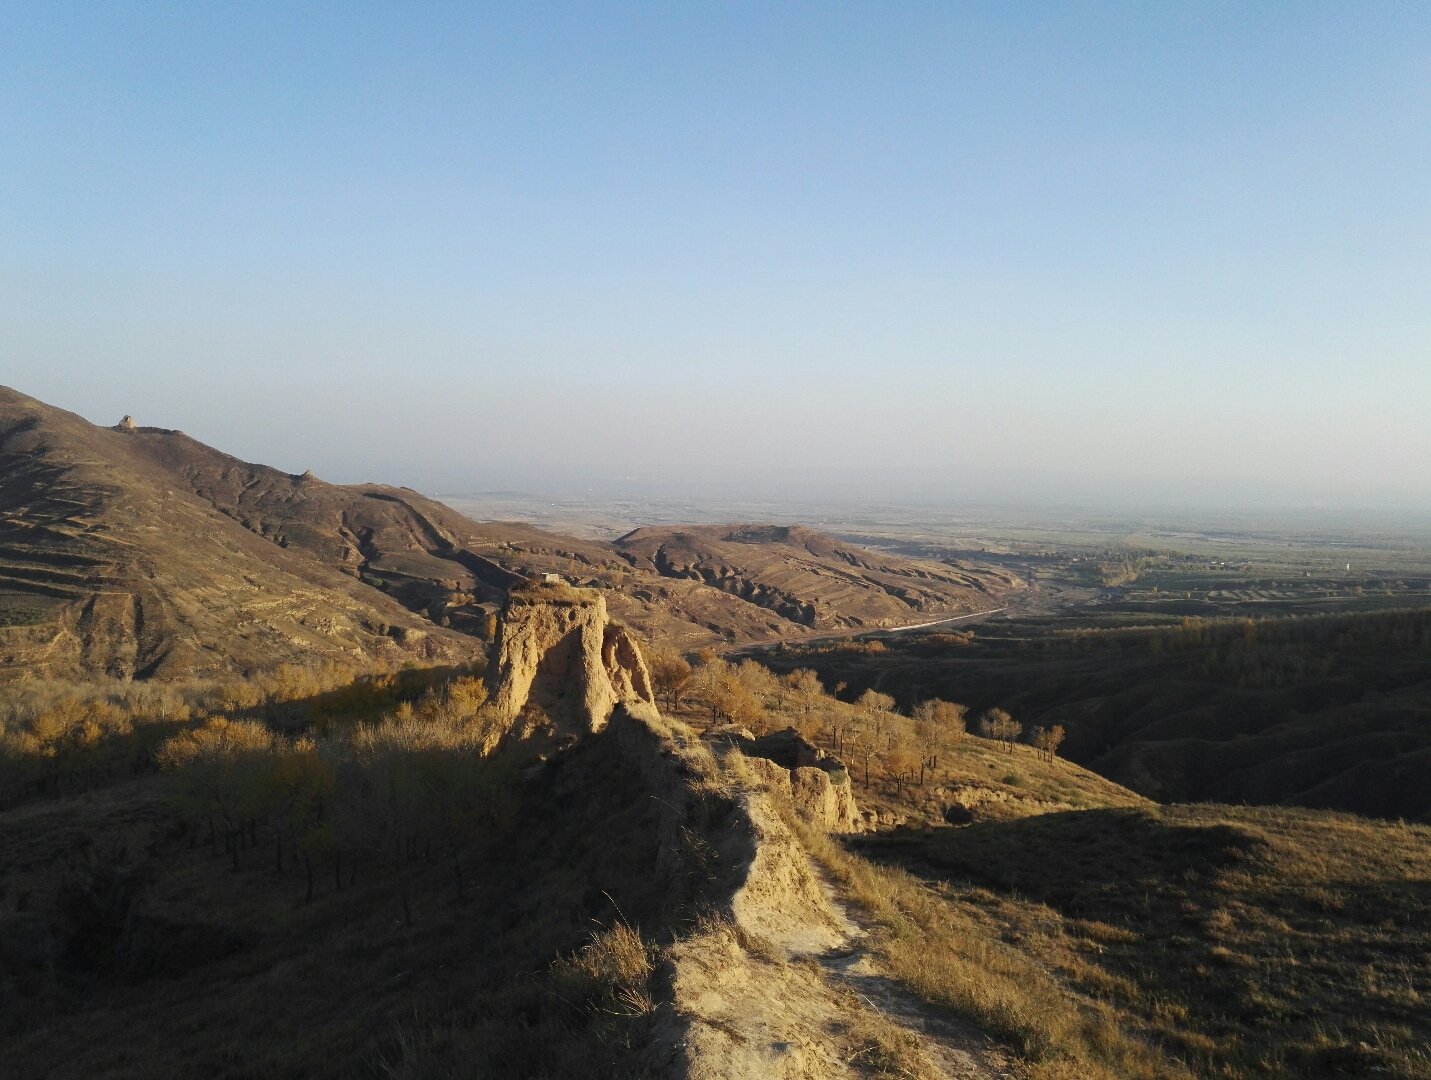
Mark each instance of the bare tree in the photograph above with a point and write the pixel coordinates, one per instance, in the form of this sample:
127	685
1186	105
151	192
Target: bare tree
1047	740
902	757
938	725
671	675
804	692
998	724
708	679
1055	740
872	701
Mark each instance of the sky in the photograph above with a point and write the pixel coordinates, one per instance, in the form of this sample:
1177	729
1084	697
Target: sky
1083	251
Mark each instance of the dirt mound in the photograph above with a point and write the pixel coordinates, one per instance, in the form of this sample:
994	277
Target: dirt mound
802	776
738	1008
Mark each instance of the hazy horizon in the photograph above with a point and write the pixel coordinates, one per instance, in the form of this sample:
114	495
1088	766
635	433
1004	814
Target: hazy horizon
1103	255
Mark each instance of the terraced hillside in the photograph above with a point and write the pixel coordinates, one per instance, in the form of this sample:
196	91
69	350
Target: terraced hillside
811	579
140	551
108	565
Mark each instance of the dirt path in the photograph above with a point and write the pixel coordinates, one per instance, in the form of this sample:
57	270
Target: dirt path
784	983
954	1049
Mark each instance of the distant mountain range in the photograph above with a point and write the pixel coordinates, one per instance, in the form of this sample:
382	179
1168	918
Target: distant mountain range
138	551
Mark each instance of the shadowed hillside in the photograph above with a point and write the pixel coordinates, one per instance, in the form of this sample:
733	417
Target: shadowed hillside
1325	711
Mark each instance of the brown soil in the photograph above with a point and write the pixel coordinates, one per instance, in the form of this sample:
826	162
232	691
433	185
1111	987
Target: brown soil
137	551
779	983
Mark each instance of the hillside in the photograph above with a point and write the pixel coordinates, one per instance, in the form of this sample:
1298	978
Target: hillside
1242	942
409	897
460	885
743	583
139	551
1105	936
109	564
1328	711
810	579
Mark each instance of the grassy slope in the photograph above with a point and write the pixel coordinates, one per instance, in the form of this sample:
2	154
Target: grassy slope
1128	939
1327	713
186	968
1105	936
1000	782
1242	939
1114	940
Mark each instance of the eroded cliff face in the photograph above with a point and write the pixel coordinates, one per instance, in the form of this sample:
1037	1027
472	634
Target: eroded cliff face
625	666
559	663
798	773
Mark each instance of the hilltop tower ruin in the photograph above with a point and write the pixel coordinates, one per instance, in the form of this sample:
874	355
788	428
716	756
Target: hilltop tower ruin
559	662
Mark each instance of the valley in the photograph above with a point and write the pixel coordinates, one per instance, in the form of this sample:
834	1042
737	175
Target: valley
304	779
640	541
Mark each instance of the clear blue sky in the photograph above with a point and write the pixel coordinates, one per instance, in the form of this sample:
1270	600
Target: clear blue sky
936	248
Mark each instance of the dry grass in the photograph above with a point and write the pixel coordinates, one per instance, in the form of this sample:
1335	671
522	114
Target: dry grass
611	974
883	750
1102	935
951	960
202	970
1243	942
1324	711
883	1048
999	782
59	737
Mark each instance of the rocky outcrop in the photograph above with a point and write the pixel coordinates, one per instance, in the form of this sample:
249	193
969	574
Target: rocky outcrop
560	664
625	666
797	772
821	798
739	1010
826	798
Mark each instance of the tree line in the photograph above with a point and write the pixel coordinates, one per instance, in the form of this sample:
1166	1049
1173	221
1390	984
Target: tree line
58	737
416	786
871	735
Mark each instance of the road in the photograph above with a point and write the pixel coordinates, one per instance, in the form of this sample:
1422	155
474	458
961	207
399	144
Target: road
922	625
867	631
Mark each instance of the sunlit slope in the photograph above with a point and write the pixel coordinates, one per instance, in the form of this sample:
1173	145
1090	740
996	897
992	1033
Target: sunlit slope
109	564
811	579
1329	711
1242	941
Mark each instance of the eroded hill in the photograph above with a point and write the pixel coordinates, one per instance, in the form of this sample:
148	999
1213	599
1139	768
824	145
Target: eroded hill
408	897
504	887
687	587
138	551
810	579
111	564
